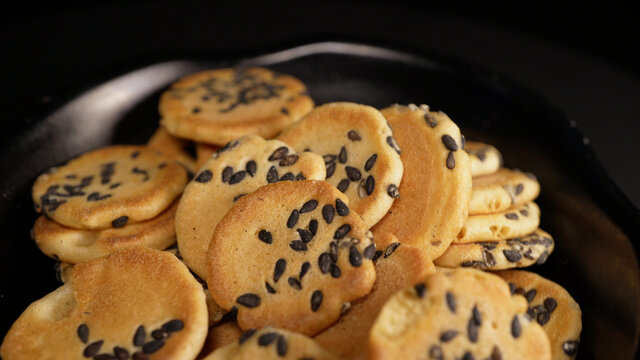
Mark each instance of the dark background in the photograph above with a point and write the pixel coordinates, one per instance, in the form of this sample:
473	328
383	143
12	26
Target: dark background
581	55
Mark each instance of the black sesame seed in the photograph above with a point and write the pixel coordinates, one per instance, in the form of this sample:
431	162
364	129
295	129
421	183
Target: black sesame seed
246	335
324	262
524	212
468	356
463	141
265	236
512	255
394	145
298	245
266	339
390	249
313	226
305	235
472	330
329	158
342	231
279	268
113	186
92	348
83	333
327	213
476	315
251	168
543	258
279	153
435	353
335	271
353	173
511	216
282	346
270	289
495	354
353	135
104	357
550	304
300	177
516	328
448	335
343	185
377	255
316	300
421	289
570	347
159	334
342	156
304	269
543	317
272	175
451	302
120	353
152	346
204	176
355	258
139	336
135	154
370	251
237	177
288	160
293	218
370	162
226	174
249	300
195	110
294	283
449	143
309	206
451	161
393	191
284	110
342	208
235	198
287	177
519	188
173	325
430	120
531	294
120	222
330	170
370	184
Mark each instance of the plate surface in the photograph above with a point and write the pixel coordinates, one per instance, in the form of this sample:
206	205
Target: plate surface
595	226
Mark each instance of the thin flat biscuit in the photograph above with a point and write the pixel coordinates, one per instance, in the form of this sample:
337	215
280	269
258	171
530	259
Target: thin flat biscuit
519	252
360	153
501	190
551	306
133	302
457	314
73	245
296	267
271	343
241	168
436	185
217	106
401	267
485	159
513	222
109	187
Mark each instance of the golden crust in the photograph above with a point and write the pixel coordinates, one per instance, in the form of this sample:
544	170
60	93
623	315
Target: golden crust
501	190
218	122
513	222
113	296
485	159
240	263
434	199
142	183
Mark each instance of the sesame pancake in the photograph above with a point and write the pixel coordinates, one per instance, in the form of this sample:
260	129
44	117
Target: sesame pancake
109	187
295	268
173	148
485	159
204	152
132	302
517	252
234	171
75	245
551	306
360	153
501	190
517	221
436	185
270	343
217	106
459	314
403	266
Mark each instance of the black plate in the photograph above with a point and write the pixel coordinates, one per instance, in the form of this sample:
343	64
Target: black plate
595	226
